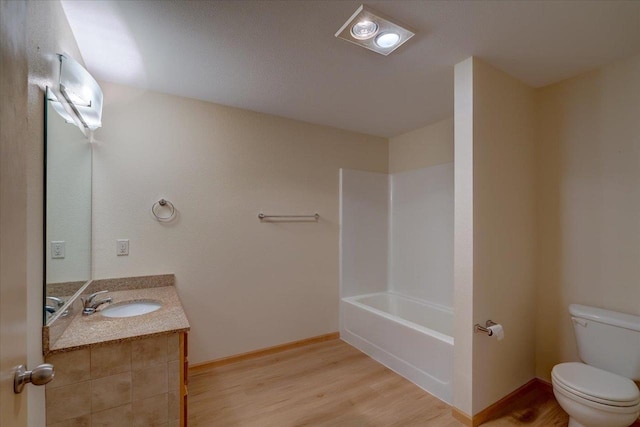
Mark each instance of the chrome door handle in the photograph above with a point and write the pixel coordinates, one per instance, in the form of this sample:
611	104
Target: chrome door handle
41	375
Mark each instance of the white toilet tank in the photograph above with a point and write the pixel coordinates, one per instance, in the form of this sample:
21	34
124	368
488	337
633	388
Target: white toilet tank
607	339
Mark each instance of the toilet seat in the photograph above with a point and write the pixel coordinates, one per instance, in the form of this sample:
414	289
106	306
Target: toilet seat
595	385
593	404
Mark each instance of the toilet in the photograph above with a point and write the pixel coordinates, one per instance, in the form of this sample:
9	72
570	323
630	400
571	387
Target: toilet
600	392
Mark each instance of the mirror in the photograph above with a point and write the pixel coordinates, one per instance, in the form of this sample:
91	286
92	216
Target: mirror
67	228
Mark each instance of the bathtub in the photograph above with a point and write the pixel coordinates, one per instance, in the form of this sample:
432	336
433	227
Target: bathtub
411	337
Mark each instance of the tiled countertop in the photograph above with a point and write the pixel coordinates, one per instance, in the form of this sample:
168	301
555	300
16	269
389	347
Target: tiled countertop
86	331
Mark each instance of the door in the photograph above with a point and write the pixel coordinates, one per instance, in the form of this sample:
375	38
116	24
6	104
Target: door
13	211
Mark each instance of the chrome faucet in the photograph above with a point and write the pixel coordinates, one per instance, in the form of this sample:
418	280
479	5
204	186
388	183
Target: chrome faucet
90	306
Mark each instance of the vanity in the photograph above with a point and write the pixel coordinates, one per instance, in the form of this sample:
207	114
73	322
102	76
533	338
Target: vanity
118	347
120	371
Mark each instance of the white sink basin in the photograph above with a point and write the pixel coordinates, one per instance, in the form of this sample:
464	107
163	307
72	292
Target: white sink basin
131	308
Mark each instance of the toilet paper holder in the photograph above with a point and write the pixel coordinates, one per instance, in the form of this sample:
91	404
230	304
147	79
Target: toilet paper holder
478	328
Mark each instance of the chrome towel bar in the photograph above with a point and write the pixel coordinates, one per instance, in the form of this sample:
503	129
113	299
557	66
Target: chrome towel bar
314	217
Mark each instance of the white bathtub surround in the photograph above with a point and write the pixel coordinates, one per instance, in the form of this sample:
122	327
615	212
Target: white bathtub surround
421	234
364	216
396	276
396	233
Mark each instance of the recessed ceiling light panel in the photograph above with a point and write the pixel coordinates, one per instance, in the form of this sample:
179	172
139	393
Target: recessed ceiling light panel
374	31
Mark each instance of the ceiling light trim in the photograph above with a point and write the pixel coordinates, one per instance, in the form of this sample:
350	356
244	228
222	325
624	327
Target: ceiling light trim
385	24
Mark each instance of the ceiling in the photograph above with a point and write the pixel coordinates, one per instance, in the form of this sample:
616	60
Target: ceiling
281	57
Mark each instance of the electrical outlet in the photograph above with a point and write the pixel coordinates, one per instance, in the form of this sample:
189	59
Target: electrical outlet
57	249
122	247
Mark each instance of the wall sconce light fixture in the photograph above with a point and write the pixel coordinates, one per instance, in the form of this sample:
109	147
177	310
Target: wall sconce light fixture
78	97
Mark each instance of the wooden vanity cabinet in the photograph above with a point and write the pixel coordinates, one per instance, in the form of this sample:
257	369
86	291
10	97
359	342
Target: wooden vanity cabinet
141	381
184	377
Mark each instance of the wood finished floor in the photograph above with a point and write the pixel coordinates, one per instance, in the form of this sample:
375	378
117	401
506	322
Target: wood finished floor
332	384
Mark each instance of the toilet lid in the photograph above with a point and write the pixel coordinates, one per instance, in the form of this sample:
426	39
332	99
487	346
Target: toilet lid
594	382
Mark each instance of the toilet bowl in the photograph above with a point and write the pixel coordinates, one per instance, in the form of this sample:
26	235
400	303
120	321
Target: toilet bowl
593	397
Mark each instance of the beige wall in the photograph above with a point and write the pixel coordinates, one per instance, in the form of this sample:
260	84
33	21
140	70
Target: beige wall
504	232
588	202
245	285
496	170
427	146
577	192
48	33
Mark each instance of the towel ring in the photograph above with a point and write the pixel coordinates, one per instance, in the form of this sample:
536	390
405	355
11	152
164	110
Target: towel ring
163	202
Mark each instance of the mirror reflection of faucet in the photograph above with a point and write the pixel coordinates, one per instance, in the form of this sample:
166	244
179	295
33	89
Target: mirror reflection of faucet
90	306
56	304
59	302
